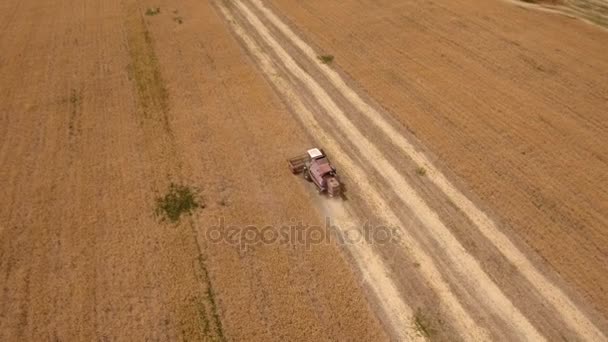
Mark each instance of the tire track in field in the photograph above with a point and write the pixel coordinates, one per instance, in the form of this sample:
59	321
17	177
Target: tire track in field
570	313
594	12
466	324
488	292
491	295
374	272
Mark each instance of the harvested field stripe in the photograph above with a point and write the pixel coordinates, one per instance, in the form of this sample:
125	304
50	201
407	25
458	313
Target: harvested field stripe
375	274
372	267
466	325
460	259
383	287
592	12
573	316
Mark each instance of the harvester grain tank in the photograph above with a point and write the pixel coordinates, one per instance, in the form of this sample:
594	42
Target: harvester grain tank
315	167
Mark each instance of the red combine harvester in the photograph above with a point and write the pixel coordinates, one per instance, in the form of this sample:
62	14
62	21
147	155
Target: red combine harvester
315	167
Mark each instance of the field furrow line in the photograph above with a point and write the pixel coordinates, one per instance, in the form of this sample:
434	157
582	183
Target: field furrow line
572	315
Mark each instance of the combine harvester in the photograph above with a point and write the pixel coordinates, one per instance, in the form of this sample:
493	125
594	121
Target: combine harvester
316	168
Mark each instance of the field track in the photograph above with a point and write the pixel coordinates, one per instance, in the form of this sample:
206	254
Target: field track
285	58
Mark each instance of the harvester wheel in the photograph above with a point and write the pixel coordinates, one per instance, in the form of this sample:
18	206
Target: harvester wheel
306	175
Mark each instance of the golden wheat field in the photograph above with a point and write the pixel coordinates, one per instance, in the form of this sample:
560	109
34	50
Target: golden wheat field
146	195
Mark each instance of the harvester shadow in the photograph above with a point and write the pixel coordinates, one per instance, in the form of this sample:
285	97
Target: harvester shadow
343	191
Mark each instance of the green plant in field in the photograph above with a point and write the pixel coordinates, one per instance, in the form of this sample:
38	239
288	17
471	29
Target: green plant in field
326	59
421	171
180	199
153	11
